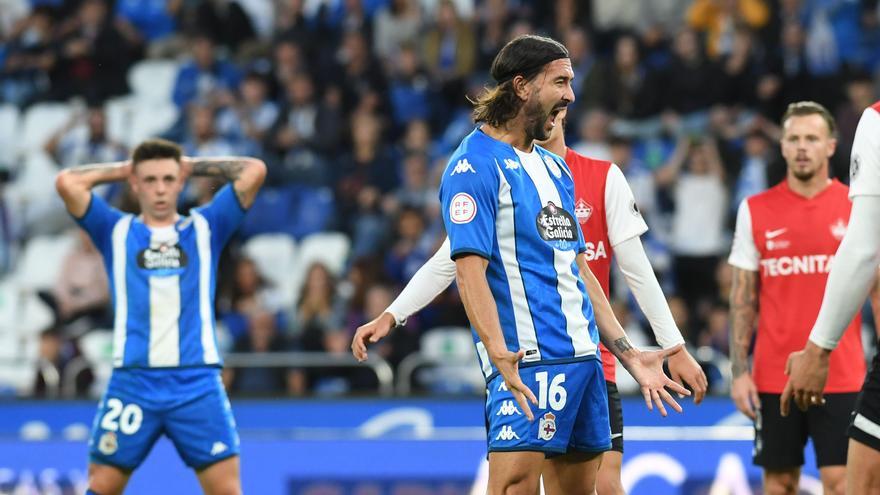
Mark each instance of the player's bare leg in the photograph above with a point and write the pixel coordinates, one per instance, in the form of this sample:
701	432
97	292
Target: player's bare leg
107	480
221	478
781	481
571	474
515	473
863	469
833	480
608	482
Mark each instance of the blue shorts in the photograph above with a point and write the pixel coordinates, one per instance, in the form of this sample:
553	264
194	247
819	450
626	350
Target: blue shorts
189	405
571	416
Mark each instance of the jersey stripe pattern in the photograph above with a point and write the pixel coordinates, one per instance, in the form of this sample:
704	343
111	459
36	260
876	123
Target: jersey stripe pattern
516	210
163	281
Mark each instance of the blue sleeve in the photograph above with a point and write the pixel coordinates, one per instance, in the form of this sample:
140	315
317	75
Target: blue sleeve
98	221
469	201
224	214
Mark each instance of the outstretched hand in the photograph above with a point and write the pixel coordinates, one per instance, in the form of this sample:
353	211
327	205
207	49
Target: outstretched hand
647	369
371	332
508	366
684	369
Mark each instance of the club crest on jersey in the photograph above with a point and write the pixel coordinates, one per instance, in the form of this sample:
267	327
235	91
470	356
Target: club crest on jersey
547	426
164	259
557	227
553	166
854	166
108	445
582	210
462	208
838	229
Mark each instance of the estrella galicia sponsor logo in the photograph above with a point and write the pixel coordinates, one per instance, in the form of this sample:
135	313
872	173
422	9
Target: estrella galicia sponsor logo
557	227
164	259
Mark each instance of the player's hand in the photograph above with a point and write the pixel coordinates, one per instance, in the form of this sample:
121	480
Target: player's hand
508	366
186	166
745	395
683	368
647	369
807	372
371	332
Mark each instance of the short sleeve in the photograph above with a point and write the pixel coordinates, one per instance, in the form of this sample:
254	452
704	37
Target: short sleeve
224	214
744	253
622	214
469	202
98	221
864	169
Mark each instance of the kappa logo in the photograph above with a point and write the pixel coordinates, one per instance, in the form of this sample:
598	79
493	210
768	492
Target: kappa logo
582	210
218	448
502	387
511	164
507	434
508	408
553	166
462	166
838	229
547	426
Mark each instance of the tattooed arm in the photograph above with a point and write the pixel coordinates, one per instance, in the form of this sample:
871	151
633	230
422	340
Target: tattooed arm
75	184
743	313
645	367
245	173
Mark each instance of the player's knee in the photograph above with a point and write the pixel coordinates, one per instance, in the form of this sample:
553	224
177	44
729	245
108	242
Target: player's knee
105	481
609	484
781	483
520	485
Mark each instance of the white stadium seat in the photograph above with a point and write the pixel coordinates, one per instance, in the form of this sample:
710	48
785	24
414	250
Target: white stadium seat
276	260
120	113
150	120
40	263
152	81
40	122
328	248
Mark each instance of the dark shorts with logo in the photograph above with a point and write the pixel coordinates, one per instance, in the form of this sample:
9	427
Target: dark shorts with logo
865	425
779	442
615	415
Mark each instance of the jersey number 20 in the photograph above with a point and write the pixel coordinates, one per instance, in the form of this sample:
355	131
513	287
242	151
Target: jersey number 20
555	392
125	418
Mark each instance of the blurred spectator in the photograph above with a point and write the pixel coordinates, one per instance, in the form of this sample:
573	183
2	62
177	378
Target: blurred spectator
639	177
593	135
320	312
248	294
691	82
305	128
717	332
206	78
588	72
154	20
12	12
394	25
450	52
250	117
719	18
202	138
81	290
93	55
409	88
755	166
696	176
55	353
84	140
740	71
632	91
262	337
681	316
410	248
288	60
361	78
29	55
225	21
416	191
860	94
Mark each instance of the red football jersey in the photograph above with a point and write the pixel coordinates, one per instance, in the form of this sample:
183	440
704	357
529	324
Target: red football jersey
791	241
603	223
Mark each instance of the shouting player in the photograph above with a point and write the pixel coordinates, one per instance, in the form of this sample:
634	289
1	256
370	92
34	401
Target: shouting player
848	284
509	210
611	225
782	251
162	268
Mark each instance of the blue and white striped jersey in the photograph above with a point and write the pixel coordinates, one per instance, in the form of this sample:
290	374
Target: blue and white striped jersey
516	210
163	281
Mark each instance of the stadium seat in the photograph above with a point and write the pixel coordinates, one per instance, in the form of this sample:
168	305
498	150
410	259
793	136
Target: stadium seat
329	248
295	210
9	129
40	122
457	370
149	120
40	263
152	81
275	257
120	113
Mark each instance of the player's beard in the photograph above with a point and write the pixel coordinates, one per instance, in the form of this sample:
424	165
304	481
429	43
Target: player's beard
536	121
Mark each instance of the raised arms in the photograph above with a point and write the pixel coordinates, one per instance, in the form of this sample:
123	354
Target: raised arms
75	184
245	173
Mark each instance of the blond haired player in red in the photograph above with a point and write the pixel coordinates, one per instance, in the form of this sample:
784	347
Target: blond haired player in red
611	224
782	251
850	280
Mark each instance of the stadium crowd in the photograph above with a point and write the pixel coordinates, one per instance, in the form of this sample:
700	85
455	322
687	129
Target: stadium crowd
355	106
